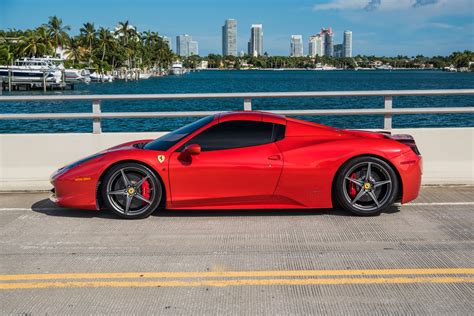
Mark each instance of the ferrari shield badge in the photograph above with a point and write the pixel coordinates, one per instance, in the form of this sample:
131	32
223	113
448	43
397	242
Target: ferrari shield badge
161	158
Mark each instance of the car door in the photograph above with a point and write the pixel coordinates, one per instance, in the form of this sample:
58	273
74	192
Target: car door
239	164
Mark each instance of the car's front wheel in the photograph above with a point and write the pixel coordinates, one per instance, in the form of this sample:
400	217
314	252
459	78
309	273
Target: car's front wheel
131	190
366	185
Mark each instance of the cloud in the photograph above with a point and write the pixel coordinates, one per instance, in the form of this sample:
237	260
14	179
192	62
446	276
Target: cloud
458	6
373	5
420	3
437	25
341	5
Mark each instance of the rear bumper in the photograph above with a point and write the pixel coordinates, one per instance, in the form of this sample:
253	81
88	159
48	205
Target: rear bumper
410	168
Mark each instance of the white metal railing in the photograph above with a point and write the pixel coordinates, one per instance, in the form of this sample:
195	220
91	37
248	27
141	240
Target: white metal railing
97	115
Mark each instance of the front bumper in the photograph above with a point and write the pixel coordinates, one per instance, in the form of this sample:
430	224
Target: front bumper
73	190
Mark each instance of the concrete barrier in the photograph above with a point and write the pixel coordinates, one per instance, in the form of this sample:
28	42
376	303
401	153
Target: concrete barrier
27	160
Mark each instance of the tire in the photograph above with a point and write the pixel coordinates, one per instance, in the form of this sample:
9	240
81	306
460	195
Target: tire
366	186
131	190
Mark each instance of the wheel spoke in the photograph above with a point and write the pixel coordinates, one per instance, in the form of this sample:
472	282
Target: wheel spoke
368	176
380	183
117	192
124	177
372	195
358	196
141	197
139	183
355	181
128	202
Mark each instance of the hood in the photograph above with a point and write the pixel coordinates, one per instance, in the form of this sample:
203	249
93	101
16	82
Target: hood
136	144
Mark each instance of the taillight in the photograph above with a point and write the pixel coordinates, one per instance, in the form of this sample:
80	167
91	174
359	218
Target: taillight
407	140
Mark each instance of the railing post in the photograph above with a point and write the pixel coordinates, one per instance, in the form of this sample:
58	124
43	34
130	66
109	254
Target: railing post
387	119
247	104
96	124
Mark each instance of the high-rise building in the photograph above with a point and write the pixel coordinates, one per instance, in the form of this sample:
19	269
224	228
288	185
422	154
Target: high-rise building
255	46
347	44
185	46
193	48
229	38
296	46
316	45
328	41
182	44
338	50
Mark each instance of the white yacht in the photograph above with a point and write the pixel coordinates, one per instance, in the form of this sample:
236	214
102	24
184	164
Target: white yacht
77	75
384	67
177	68
101	77
31	70
144	75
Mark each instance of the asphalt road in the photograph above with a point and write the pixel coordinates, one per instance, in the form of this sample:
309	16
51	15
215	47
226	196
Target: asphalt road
414	259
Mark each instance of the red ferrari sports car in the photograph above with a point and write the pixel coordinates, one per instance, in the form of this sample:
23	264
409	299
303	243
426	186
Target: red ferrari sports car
246	160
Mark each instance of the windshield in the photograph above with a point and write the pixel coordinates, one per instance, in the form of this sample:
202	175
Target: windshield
166	141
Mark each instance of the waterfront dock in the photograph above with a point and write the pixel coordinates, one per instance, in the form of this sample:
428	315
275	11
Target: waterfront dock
29	86
11	83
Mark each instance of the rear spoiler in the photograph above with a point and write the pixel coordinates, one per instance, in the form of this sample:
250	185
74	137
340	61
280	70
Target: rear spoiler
406	140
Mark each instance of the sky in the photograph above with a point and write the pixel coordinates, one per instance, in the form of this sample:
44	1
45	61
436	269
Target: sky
380	27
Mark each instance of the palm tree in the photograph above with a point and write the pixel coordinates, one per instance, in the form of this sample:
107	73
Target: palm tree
88	34
129	37
105	40
74	51
57	31
36	42
126	32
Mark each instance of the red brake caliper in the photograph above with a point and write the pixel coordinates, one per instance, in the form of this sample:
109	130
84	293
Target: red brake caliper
146	189
352	187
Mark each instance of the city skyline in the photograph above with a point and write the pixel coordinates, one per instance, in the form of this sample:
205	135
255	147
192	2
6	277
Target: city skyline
435	27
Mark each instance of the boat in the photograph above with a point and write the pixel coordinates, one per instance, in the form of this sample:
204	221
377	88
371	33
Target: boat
144	75
177	68
100	77
31	70
77	75
450	69
384	67
132	75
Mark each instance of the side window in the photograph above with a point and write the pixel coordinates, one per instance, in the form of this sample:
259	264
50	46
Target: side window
236	134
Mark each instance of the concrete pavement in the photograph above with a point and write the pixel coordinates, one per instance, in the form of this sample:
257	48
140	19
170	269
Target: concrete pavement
414	259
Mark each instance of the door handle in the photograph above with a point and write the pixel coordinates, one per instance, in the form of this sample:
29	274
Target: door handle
274	157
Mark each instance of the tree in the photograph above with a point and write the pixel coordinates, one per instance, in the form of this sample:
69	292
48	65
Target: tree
106	41
74	51
36	43
6	58
57	31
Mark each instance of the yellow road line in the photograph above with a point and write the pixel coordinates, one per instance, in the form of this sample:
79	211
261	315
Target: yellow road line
238	282
215	274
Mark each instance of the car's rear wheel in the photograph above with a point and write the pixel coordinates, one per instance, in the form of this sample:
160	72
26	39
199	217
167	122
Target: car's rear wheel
366	185
131	190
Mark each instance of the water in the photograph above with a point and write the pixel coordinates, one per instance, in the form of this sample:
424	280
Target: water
254	81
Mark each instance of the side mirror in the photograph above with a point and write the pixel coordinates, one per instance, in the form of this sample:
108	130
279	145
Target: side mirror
193	149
